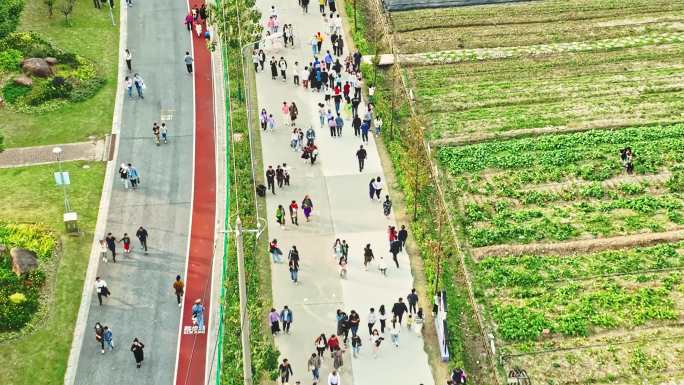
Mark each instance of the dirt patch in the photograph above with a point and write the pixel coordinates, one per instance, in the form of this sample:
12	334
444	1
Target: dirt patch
580	246
604	124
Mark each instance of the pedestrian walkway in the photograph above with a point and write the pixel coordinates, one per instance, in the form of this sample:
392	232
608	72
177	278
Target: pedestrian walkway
142	302
31	156
342	209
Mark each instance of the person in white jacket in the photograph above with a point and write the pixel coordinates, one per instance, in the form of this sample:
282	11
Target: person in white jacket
334	378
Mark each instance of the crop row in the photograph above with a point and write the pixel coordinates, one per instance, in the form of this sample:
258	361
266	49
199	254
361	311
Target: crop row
512	35
549	67
652	146
530	271
550	11
578	308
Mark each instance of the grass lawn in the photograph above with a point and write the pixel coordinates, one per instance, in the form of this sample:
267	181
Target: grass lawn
92	36
41	357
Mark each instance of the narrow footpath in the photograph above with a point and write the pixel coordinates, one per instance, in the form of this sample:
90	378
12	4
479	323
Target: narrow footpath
341	209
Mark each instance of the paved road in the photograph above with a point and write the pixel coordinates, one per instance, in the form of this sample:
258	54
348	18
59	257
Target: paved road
142	303
342	209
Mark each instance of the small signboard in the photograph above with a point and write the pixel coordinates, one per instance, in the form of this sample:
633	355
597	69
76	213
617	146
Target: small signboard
62	178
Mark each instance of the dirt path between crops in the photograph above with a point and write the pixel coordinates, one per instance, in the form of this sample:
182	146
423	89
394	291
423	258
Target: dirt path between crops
581	246
479	137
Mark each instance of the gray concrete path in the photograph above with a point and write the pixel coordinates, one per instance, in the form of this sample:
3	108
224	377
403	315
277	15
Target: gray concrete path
29	156
142	303
342	209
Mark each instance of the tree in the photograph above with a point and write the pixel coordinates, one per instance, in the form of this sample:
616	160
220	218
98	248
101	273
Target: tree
67	9
50	5
237	21
418	170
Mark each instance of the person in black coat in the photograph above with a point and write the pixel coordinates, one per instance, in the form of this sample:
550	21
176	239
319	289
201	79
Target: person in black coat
395	248
274	68
399	308
403	236
137	349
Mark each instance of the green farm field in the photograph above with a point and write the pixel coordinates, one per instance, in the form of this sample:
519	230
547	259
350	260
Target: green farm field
576	265
563	92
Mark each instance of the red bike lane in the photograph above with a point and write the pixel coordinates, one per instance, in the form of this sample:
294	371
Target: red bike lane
192	345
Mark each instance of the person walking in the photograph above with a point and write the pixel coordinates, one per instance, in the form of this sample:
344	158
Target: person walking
356	124
123	174
274	321
377	187
367	256
338	359
372	319
139	84
285	371
198	314
129	59
371	189
164	132
188	62
286	318
126	241
334	376
395	247
178	287
382	266
314	366
394	331
293	266
307	206
101	289
333	344
376	340
294	208
274	68
354	322
356	345
361	155
365	127
188	22
111	245
398	309
345	250
99	335
133	176
412	299
339	123
402	236
285	110
137	349
387	207
141	234
270	179
321	343
294	112
337	249
276	253
108	338
280	176
282	66
382	317
280	216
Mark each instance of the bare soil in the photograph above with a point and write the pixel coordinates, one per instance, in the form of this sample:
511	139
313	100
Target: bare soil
579	246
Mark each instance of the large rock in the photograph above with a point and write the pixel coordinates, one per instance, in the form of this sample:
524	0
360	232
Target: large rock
37	67
23	260
51	60
23	80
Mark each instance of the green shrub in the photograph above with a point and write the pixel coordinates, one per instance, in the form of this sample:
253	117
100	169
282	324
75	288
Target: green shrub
10	59
10	10
28	236
11	92
85	89
47	90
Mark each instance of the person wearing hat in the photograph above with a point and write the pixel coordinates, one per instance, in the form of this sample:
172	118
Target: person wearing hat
198	314
178	286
